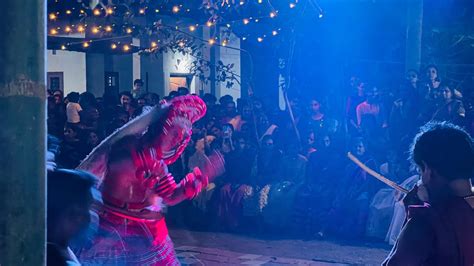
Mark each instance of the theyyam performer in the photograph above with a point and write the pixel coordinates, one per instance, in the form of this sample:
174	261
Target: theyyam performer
135	183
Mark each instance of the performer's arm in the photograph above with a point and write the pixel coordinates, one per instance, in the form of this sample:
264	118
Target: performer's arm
188	188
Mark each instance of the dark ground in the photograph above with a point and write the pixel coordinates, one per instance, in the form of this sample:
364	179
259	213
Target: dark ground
216	248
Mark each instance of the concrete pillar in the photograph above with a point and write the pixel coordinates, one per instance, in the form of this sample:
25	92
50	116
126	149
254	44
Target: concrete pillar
95	73
22	137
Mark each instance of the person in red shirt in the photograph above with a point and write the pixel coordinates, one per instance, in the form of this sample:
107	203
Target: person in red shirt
440	225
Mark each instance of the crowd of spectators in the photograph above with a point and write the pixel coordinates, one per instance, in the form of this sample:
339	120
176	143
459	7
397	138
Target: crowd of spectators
285	174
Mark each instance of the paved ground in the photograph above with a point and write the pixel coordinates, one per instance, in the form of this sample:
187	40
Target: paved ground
213	248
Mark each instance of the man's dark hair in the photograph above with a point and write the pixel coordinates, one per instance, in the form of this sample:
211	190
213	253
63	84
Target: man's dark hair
138	81
126	93
73	97
183	91
446	148
67	188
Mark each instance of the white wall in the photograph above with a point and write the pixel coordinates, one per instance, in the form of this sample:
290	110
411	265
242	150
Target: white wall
73	65
176	63
230	56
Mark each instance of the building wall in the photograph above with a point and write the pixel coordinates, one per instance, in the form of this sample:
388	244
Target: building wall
176	63
73	66
83	71
230	56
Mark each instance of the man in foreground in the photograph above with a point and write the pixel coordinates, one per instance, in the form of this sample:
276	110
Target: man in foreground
440	226
69	202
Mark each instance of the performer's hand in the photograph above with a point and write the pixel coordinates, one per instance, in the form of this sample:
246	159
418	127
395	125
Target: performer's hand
411	198
194	183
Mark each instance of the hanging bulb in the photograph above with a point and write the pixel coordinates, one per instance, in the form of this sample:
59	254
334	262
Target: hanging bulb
113	46
175	9
192	28
52	16
246	21
126	47
63	47
67	29
96	12
108	28
212	41
260	39
85	44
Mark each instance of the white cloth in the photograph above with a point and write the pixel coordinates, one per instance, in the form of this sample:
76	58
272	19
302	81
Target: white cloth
399	215
72	112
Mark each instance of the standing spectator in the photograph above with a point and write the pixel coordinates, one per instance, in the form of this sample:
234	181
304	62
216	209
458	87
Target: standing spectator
137	88
56	114
357	97
73	109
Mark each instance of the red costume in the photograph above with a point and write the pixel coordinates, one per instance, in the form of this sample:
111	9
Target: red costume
135	183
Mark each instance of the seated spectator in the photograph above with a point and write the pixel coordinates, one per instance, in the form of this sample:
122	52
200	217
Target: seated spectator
152	99
452	110
69	200
72	148
127	103
355	193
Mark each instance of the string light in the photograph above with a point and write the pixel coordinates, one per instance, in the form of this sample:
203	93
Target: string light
244	38
192	28
274	32
67	29
110	11
53	31
225	42
95	30
260	39
68	12
181	44
260	1
142	11
113	46
154	44
292	5
273	14
246	21
85	44
175	9
212	41
321	15
108	28
129	30
126	47
209	23
52	16
157	11
80	28
63	47
96	12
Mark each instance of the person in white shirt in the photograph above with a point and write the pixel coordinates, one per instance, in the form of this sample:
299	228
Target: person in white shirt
73	109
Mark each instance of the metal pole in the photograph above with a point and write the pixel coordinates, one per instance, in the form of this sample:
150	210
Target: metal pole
23	133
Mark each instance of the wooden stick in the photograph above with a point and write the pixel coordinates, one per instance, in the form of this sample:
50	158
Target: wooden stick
380	177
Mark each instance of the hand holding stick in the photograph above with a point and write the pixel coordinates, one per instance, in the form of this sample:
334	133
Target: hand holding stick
380	177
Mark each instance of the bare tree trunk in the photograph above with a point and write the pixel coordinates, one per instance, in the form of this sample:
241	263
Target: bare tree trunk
22	133
414	34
